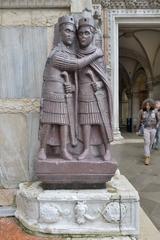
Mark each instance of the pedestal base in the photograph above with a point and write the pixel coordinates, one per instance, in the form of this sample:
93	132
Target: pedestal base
112	212
76	173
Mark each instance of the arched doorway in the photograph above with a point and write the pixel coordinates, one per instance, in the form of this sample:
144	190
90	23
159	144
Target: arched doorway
138	56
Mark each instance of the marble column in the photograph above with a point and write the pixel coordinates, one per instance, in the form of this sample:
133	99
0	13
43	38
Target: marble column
115	80
135	107
129	96
150	88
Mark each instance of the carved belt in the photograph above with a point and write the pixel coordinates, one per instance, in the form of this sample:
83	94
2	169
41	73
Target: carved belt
50	96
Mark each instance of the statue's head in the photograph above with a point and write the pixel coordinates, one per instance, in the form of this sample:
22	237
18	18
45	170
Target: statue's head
86	31
67	29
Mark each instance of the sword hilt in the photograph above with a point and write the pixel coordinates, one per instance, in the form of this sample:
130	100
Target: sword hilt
66	77
91	75
64	74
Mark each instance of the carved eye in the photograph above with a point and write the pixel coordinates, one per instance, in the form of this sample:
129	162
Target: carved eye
80	33
68	31
87	33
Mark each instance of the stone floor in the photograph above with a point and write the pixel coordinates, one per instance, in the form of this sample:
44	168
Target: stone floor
146	179
16	232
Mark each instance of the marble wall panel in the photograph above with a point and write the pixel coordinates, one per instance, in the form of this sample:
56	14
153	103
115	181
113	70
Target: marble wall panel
23	51
18	147
33	142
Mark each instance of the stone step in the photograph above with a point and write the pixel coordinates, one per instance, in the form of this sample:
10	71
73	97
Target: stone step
7	211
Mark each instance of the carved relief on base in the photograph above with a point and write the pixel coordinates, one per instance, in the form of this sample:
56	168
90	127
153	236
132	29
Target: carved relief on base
52	213
79	211
114	212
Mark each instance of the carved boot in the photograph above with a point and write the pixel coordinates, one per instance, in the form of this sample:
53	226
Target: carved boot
42	154
147	160
66	155
84	154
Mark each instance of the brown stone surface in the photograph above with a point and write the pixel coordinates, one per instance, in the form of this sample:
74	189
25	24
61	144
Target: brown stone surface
59	171
10	230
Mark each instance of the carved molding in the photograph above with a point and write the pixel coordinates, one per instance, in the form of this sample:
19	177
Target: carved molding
129	4
111	4
35	4
19	105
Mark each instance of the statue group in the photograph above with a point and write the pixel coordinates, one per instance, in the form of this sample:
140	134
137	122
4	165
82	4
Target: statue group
76	104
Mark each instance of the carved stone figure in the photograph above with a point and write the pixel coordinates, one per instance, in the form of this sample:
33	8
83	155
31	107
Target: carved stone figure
95	98
59	91
76	111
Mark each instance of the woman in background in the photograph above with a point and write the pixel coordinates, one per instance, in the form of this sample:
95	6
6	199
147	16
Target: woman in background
149	118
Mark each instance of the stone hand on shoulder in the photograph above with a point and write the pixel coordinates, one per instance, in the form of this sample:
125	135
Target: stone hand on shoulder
98	53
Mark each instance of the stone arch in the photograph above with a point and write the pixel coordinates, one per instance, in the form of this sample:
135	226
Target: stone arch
135	88
140	92
139	85
124	95
124	77
124	52
156	62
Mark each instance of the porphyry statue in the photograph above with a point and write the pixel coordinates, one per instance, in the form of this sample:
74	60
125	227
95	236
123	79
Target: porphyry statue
95	98
76	111
59	91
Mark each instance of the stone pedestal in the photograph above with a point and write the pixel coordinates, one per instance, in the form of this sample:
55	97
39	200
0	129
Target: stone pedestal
113	211
78	174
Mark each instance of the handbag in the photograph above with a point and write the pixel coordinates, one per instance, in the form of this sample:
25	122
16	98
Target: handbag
141	130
